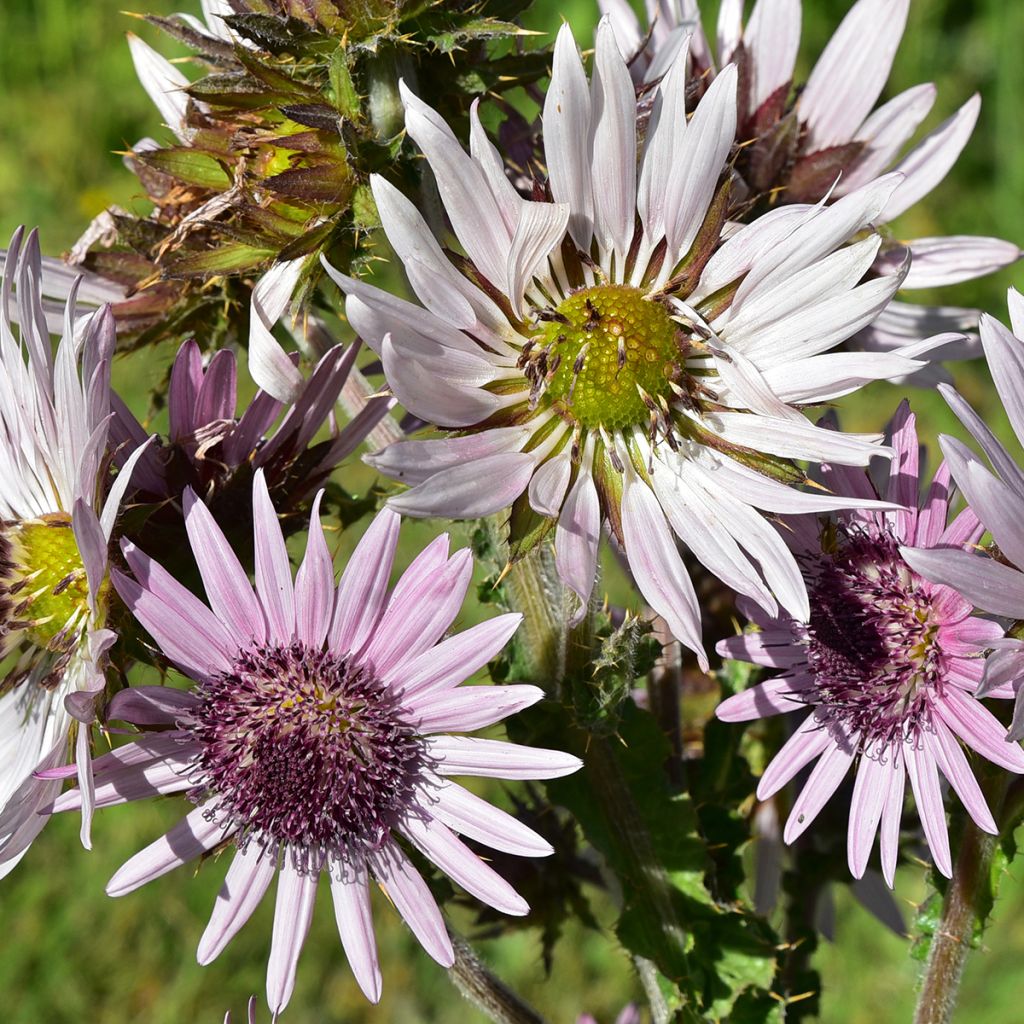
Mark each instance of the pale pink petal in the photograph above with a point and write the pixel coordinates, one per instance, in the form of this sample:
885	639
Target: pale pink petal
455	859
413	462
772	40
472	707
979	729
475	818
314	585
950	259
227	585
566	120
178	637
549	484
776	696
774	648
884	134
613	146
929	161
406	889
467	198
293	913
454	660
892	813
655	563
988	584
273	568
824	780
456	493
412	624
351	894
951	762
924	778
799	750
362	591
245	885
470	755
180	603
578	535
870	790
851	72
700	162
196	833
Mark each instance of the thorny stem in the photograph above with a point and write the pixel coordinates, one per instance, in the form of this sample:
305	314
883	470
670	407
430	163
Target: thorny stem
484	990
560	653
536	593
951	943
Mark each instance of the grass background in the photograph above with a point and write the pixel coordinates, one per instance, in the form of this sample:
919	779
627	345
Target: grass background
69	954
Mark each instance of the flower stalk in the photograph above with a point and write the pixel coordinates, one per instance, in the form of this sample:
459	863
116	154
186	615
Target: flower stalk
488	993
961	909
561	652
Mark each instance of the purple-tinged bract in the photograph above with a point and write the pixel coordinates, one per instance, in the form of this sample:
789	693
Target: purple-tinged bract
888	663
212	446
315	735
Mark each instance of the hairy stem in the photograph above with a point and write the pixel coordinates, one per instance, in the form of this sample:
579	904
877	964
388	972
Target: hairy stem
488	993
560	654
960	910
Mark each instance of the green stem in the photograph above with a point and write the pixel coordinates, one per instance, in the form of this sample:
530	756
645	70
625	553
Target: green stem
536	593
649	887
484	990
960	910
559	654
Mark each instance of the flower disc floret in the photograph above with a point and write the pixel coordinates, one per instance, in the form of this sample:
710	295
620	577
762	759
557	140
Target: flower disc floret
872	640
300	746
51	580
613	347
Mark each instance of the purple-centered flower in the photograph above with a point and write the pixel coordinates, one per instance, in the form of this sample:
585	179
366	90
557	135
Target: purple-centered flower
830	133
611	356
208	442
56	519
317	733
993	584
888	663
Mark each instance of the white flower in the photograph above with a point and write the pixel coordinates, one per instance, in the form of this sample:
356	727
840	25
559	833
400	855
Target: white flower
54	531
832	133
608	358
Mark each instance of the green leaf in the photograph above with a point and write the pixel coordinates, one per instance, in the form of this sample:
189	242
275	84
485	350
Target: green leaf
191	166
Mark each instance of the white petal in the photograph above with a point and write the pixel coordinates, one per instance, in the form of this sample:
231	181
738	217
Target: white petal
929	161
851	72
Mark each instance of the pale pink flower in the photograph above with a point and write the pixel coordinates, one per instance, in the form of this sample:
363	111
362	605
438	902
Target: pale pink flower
888	664
996	586
317	732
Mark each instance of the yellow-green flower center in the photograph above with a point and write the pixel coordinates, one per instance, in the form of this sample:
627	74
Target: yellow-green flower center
616	352
47	590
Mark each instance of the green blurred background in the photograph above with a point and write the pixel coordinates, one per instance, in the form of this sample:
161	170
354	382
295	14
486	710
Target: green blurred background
70	954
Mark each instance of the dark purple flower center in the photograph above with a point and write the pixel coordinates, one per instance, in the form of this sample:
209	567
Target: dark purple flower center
303	749
872	640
